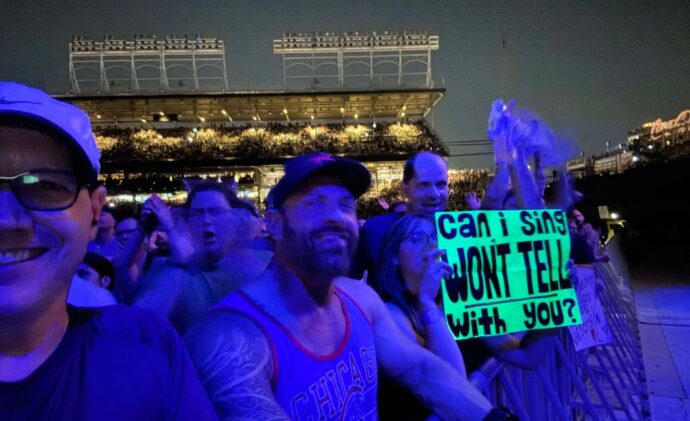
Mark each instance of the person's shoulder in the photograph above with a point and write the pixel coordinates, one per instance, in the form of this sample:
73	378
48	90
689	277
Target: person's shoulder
118	315
380	221
223	323
362	294
167	274
220	333
233	313
353	287
262	243
374	229
233	359
128	324
263	284
162	284
383	217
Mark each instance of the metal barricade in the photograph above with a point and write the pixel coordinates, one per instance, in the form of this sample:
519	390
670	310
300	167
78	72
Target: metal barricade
602	382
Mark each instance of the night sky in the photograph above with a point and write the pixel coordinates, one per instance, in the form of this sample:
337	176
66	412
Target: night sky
592	70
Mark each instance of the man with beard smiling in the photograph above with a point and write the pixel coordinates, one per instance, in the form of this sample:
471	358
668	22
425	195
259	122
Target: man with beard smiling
425	185
300	342
59	362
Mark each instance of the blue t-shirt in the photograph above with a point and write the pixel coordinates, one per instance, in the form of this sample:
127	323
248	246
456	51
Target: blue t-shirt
113	363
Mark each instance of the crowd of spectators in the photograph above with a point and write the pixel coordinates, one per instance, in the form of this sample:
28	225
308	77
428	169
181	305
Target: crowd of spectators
262	301
461	182
163	183
272	140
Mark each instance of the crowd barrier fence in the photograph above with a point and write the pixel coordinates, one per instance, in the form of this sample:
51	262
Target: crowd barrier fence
601	382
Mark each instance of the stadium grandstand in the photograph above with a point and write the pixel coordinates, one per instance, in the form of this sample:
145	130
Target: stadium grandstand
156	129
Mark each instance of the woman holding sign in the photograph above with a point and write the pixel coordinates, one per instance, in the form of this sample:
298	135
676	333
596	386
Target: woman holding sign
408	281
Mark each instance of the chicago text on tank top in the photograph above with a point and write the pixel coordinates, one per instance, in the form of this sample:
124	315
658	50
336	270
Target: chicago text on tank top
342	385
341	392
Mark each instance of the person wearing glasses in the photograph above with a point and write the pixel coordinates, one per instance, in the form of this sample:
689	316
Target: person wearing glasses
408	281
125	227
59	361
223	260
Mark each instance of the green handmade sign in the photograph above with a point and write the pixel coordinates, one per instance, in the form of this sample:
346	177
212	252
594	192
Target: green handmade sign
509	271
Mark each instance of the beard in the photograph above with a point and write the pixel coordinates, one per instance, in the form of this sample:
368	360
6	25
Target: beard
323	261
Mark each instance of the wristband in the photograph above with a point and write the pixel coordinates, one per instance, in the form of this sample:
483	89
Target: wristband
431	316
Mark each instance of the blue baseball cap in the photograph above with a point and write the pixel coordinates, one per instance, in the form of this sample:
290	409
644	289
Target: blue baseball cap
22	100
354	176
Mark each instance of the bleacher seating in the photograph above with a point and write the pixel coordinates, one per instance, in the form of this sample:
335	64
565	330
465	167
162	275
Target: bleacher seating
269	141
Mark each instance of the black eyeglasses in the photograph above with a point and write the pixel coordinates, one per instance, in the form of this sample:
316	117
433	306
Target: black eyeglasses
214	213
45	190
421	238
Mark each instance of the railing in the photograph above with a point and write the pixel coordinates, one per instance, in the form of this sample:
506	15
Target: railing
601	382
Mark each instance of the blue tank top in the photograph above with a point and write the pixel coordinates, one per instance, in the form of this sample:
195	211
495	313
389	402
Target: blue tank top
339	386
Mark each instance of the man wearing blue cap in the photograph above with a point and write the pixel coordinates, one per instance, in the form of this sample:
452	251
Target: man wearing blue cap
300	342
60	362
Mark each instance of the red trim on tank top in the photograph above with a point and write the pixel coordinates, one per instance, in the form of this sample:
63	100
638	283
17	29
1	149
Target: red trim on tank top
274	354
356	305
295	341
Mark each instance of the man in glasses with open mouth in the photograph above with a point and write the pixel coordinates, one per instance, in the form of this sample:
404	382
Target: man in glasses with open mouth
57	361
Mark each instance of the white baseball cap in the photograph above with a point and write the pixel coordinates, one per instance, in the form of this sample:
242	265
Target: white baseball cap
22	100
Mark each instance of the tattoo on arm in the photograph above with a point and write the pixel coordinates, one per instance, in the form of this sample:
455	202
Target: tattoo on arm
234	362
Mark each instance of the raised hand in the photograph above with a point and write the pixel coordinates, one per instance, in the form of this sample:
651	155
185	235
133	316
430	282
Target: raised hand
157	206
502	124
498	117
435	270
472	202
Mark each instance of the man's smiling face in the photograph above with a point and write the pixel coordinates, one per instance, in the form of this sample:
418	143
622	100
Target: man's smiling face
320	227
40	250
427	191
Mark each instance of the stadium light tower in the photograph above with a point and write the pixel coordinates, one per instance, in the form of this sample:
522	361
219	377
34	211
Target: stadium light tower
352	58
147	64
